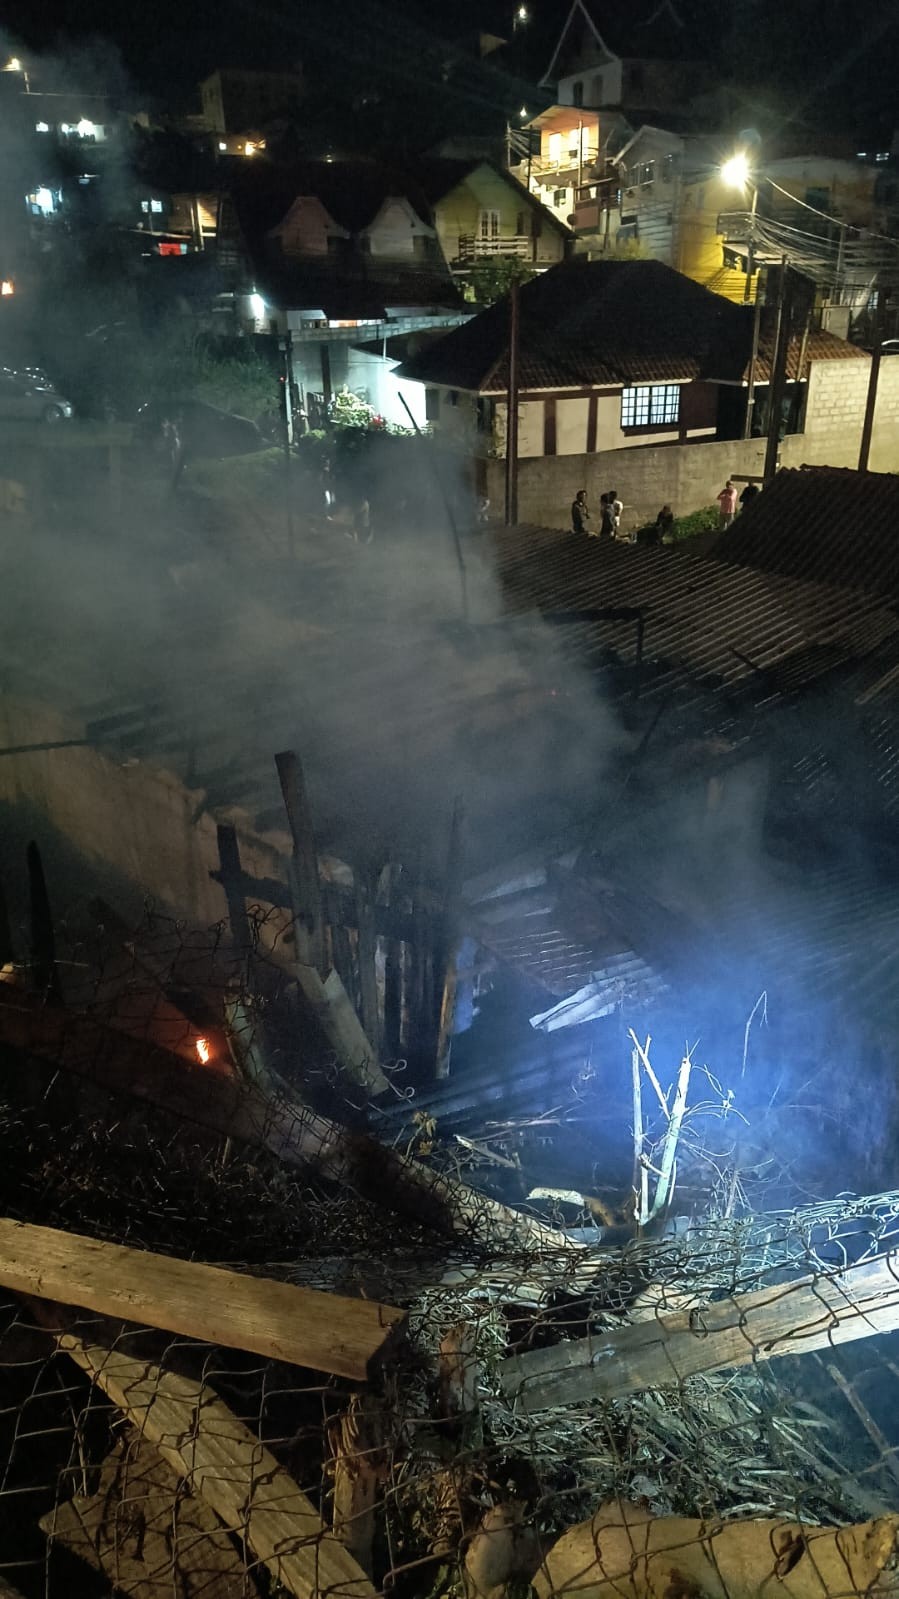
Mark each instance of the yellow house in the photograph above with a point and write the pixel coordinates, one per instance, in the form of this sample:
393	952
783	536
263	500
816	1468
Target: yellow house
483	213
698	243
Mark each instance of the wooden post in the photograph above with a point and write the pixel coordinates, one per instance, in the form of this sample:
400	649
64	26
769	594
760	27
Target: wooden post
232	883
43	941
511	507
870	404
366	953
305	886
445	955
779	371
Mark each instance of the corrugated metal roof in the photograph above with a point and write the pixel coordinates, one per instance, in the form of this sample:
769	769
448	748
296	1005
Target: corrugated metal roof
822	524
708	625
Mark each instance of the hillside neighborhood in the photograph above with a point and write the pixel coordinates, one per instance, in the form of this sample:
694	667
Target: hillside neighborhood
449	787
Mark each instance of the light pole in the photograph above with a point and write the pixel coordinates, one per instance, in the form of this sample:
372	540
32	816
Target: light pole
737	171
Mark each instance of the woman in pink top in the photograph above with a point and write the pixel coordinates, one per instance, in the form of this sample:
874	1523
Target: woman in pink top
727	504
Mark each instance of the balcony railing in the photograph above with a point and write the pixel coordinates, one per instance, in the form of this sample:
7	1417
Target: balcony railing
474	248
566	163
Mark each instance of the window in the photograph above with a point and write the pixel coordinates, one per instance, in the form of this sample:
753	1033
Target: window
488	225
560	198
432	405
521	224
656	405
577	93
555	148
819	198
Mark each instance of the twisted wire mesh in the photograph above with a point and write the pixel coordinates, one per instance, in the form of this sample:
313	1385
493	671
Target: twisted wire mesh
438	1440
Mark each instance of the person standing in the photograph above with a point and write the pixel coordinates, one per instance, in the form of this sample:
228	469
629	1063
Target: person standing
606	524
580	515
615	510
727	504
664	524
749	494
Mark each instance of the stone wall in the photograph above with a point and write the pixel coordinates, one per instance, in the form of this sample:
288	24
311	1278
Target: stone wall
124	830
689	476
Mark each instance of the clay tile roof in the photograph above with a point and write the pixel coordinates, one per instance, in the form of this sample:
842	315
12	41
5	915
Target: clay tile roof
824	524
821	346
594	323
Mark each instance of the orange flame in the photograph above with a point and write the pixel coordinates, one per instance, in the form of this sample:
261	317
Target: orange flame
203	1051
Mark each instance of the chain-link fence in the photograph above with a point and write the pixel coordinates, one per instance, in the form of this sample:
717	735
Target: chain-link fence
713	1408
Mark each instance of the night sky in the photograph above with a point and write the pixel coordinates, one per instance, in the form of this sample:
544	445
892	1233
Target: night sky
840	58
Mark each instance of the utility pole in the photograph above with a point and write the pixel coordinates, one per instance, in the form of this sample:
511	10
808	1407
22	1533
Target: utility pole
287	379
779	370
756	318
870	402
511	507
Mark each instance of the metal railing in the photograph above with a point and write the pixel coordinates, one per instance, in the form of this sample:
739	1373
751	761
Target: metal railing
472	247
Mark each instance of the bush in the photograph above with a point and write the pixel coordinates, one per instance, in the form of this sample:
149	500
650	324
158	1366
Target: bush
686	527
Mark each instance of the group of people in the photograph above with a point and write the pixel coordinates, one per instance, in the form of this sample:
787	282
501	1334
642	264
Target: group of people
610	509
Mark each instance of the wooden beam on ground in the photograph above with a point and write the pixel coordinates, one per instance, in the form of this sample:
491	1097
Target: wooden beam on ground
149	1538
224	1464
789	1319
305	885
77	1044
346	1337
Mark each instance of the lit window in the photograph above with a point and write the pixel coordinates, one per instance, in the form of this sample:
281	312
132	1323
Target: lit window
222	144
882	155
156	205
7	287
42	127
655	405
560	198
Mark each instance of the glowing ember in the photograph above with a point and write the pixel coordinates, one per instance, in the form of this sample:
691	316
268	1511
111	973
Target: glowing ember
203	1050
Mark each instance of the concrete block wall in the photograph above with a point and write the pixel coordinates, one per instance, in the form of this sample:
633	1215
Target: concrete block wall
835	411
686	476
689	476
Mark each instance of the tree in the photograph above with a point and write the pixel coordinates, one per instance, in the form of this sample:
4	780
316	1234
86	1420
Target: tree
490	280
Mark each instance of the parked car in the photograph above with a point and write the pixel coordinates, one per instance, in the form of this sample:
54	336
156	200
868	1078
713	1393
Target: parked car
27	395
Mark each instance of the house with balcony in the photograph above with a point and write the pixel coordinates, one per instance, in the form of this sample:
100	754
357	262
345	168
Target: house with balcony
344	258
483	213
575	144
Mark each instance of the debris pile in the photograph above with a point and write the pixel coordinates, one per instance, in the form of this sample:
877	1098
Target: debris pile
252	1345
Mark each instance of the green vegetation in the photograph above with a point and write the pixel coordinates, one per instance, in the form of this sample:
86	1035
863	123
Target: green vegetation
686	527
489	280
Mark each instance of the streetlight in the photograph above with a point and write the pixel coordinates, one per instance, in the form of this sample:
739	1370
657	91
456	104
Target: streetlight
737	172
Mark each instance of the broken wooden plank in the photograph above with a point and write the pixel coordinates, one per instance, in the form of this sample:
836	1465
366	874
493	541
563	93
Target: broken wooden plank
360	1470
149	1538
789	1319
304	879
224	1464
346	1337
